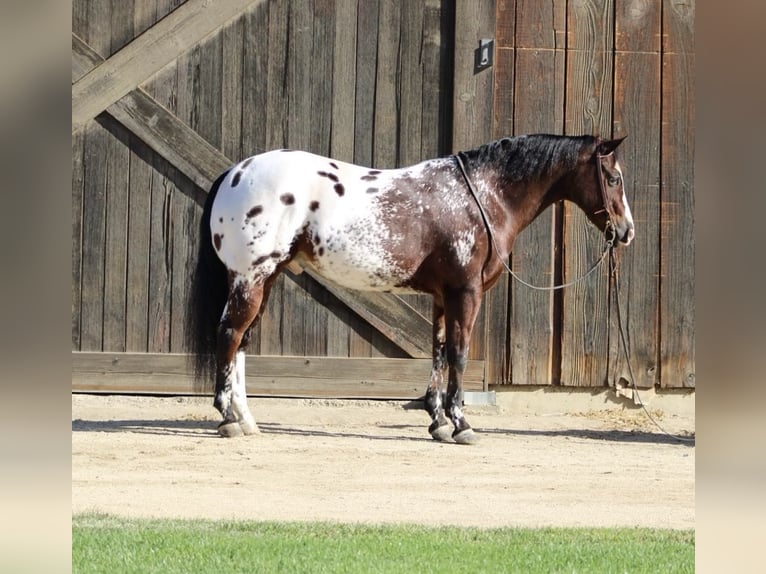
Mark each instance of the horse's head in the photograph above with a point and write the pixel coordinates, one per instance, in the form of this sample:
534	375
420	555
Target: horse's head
605	202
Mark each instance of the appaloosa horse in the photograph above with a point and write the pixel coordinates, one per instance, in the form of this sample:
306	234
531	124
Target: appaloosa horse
417	228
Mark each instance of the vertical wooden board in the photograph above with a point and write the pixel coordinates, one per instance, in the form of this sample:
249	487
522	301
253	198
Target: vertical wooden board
677	273
80	10
163	88
678	26
139	240
184	217
473	91
496	355
276	110
321	58
386	122
98	33
300	46
637	112
473	103
343	111
298	323
588	105
95	155
538	81
254	83
410	84
122	24
638	25
115	256
435	91
269	327
366	63
505	24
144	16
232	91
78	150
343	81
206	95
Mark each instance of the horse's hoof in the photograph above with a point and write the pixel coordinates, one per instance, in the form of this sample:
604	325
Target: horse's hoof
440	433
230	430
466	436
249	427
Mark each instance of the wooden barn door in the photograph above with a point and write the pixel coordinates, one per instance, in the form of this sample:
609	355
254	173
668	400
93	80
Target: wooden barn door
165	96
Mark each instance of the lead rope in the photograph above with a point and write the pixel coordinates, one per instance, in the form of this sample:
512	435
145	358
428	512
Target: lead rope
623	339
608	250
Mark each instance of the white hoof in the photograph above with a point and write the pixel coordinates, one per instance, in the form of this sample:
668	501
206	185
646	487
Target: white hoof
249	427
230	430
466	437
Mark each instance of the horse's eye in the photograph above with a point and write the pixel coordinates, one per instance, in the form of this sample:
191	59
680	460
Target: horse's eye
613	181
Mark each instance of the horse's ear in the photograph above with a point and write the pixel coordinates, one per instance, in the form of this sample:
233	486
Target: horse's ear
607	147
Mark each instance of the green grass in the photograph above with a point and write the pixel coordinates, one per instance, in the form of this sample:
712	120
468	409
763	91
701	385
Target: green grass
108	544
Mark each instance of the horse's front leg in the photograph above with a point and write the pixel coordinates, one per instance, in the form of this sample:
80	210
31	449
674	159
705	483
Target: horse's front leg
439	428
461	308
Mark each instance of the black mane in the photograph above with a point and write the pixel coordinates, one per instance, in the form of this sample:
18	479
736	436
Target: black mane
528	157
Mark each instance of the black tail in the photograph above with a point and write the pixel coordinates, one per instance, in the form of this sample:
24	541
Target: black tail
207	298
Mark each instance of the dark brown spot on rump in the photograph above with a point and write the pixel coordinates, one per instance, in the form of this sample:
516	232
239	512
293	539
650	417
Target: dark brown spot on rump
321	251
275	254
260	260
314	205
247	162
217	241
256	210
339	189
237	177
287	198
334	165
372	190
374	172
369	178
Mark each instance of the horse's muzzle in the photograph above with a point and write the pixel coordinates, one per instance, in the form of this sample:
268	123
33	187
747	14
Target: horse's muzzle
627	236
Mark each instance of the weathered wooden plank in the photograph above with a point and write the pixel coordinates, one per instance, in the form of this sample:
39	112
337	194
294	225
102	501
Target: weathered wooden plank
638	25
247	84
122	24
321	77
473	103
78	176
93	237
386	142
139	237
473	92
531	320
84	58
436	94
185	27
344	80
277	110
366	63
410	88
584	337
637	112
274	376
678	26
677	273
115	247
299	57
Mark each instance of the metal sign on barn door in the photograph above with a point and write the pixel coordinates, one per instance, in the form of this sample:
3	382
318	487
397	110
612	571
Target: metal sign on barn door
484	55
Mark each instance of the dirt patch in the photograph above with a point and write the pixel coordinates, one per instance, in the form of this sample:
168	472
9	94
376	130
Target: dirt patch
368	461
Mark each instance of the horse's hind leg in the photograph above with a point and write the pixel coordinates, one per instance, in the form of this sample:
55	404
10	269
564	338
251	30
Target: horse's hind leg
241	309
439	428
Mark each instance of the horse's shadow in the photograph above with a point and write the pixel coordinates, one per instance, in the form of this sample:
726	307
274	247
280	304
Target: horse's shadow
599	435
207	429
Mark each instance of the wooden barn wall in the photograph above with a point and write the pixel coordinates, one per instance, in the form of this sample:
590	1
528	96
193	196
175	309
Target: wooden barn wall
614	68
386	83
